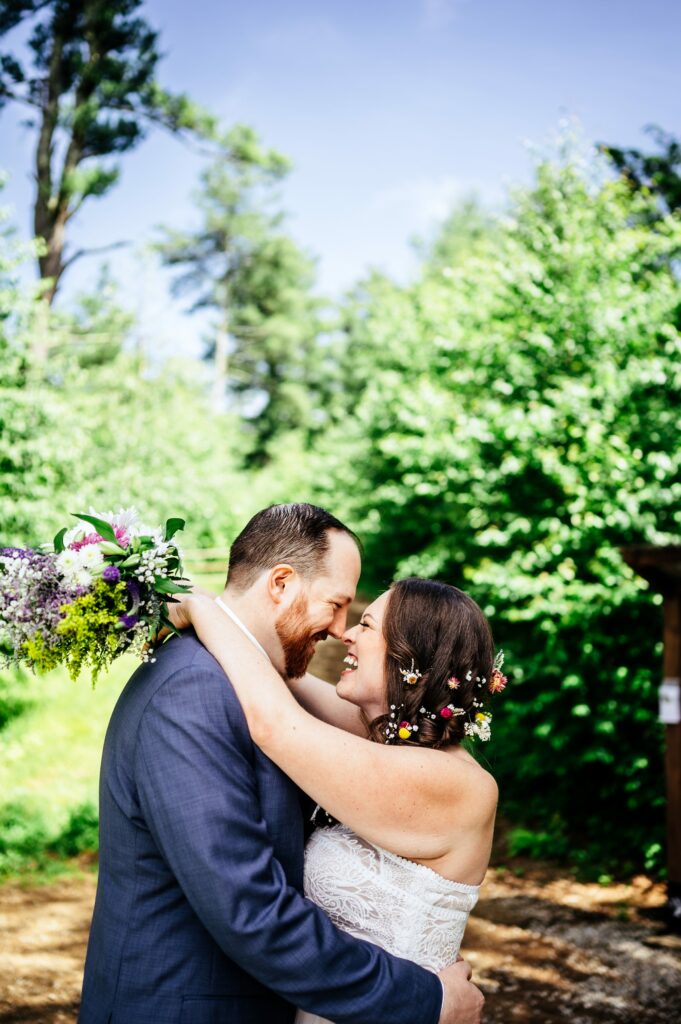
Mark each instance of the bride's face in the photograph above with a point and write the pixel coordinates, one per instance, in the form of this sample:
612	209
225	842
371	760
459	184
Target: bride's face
363	681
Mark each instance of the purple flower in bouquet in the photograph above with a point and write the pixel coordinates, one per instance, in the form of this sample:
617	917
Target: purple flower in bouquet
32	593
111	574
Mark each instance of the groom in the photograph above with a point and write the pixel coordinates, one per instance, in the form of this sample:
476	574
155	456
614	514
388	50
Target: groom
199	916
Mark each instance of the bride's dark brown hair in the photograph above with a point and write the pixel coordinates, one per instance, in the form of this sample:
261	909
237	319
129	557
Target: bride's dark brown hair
444	633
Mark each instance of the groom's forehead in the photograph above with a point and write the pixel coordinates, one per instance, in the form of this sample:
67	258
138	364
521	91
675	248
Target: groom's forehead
342	566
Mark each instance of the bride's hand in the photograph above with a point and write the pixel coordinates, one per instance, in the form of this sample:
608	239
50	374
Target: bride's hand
179	613
181	609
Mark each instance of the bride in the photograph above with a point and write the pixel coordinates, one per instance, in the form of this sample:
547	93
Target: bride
409	812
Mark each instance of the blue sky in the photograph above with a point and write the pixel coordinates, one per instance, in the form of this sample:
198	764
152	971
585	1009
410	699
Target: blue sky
389	109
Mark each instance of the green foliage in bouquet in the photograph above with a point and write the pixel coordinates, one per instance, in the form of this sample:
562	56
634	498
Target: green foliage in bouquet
88	635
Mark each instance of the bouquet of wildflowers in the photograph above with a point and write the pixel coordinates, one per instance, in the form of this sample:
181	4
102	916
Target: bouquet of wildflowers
100	589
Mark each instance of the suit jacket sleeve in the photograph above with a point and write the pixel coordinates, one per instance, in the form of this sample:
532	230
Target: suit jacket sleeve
194	769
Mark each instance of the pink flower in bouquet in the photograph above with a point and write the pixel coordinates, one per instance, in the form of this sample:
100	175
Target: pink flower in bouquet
96	538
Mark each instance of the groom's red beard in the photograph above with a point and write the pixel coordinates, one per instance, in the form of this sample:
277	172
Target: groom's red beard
297	639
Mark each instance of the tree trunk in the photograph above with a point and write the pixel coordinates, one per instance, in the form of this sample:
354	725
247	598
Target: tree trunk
51	263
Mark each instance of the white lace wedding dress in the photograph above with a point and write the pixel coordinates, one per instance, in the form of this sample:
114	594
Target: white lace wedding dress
406	908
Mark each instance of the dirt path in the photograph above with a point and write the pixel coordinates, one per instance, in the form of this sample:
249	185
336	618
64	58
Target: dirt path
545	949
43	934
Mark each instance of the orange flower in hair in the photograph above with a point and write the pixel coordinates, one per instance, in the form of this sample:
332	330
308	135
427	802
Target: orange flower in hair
498	680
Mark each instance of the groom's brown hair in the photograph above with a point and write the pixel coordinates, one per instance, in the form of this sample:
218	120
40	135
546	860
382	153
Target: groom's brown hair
295	533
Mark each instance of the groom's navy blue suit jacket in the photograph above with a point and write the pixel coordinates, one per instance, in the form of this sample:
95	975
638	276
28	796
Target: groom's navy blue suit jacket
199	915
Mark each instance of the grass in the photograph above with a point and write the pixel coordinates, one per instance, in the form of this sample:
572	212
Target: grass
50	754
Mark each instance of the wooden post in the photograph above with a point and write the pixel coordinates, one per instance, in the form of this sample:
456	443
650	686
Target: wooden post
672	675
661	566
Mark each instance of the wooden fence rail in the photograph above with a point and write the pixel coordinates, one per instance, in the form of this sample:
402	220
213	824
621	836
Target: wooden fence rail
205	561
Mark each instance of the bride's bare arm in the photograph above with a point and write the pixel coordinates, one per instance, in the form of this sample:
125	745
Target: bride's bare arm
321	700
402	798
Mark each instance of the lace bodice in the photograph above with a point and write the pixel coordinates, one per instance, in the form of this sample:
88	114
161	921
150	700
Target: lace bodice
406	908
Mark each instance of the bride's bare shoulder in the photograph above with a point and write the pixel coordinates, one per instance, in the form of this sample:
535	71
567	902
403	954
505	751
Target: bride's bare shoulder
474	782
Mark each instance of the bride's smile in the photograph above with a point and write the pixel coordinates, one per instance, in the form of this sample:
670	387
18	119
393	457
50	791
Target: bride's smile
363	681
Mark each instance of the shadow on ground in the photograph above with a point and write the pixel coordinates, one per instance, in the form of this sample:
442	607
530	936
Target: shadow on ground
546	950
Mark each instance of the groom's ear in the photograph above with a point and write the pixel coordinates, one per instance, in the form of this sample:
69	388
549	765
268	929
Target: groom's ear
281	583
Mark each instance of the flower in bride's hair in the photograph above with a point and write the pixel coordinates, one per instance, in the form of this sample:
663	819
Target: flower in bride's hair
450	711
410	675
406	729
453	683
497	681
480	726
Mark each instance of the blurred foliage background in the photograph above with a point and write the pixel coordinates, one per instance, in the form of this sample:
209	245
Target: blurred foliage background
504	422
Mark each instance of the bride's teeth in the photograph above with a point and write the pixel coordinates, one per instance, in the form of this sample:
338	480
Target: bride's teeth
350	660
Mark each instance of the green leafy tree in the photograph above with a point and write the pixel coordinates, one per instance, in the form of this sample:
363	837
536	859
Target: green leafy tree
34	462
83	422
517	422
466	227
92	94
241	265
658	172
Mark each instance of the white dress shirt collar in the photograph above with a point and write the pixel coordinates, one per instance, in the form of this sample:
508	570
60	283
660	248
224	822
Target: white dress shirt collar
244	629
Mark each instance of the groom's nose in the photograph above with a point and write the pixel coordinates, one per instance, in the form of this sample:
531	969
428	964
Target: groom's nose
338	624
349	635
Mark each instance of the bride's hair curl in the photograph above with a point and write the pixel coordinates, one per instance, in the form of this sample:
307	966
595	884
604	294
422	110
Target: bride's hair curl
442	633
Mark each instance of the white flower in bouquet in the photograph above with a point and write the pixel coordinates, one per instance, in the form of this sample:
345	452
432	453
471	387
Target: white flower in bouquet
127	518
82	578
90	556
69	563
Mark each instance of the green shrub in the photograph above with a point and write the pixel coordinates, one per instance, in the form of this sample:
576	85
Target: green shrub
80	834
23	839
15	696
515	420
27	845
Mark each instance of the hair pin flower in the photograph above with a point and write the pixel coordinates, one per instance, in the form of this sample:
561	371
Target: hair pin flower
480	726
453	683
411	675
451	712
406	729
498	680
